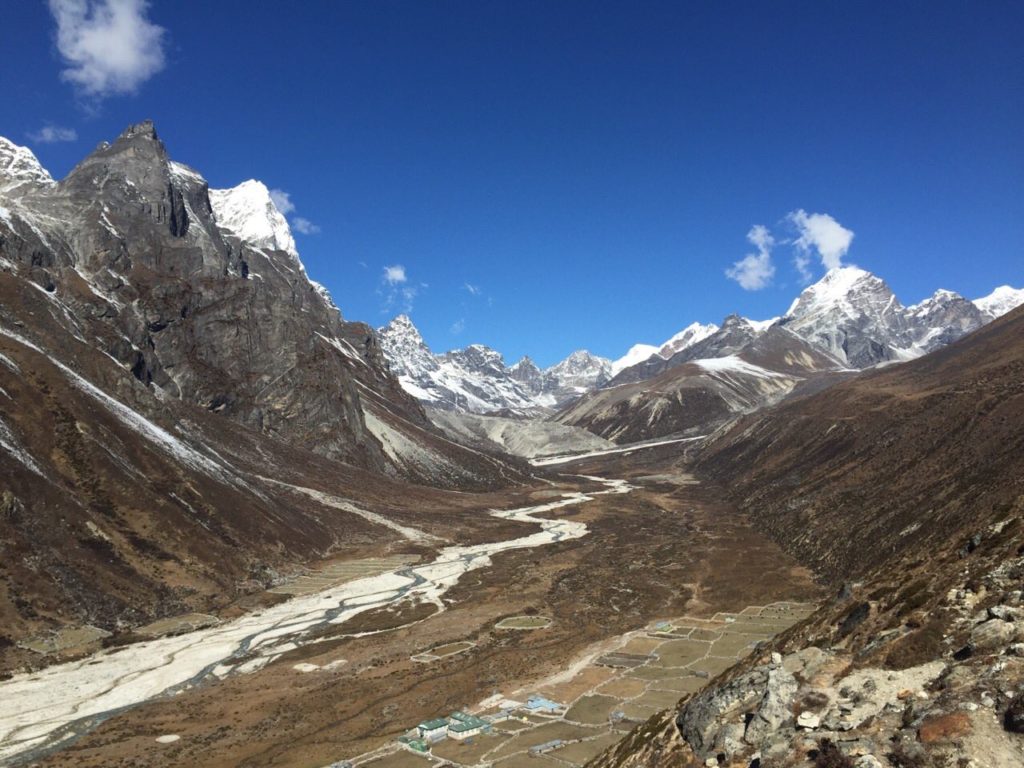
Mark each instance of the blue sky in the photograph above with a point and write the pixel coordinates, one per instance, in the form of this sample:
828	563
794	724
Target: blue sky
561	175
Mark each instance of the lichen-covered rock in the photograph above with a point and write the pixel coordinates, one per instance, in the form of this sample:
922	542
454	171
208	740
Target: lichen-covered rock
992	636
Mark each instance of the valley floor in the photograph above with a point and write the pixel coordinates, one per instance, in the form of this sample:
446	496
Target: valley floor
325	685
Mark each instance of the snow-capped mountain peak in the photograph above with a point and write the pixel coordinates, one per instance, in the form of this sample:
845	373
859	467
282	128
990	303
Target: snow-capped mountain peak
853	315
249	212
525	363
636	354
19	165
690	335
580	372
1000	301
838	290
476	378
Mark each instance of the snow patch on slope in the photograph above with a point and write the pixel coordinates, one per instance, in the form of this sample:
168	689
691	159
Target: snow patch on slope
736	364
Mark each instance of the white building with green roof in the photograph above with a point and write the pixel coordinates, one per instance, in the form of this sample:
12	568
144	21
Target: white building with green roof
433	730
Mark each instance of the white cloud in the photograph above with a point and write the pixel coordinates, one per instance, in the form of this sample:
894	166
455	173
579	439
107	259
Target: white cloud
282	201
394	275
755	270
109	46
821	234
397	294
458	326
52	134
474	290
305	226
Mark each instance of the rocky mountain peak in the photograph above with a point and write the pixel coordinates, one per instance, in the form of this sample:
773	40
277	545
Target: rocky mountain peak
525	369
135	173
479	358
403	323
406	351
580	372
853	315
734	321
581	360
146	130
528	375
844	289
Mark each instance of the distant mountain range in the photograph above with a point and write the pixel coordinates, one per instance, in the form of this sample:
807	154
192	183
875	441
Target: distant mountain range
476	379
848	320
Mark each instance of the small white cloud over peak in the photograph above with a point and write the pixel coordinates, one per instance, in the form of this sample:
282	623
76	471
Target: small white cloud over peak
755	270
394	274
110	47
305	226
282	201
398	295
458	326
473	290
53	134
819	233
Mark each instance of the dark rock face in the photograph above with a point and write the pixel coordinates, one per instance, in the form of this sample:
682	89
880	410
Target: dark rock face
188	307
1013	718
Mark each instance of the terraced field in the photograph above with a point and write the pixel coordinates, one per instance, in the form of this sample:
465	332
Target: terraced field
633	677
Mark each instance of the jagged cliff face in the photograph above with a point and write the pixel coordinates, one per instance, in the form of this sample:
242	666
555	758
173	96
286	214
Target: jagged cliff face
132	245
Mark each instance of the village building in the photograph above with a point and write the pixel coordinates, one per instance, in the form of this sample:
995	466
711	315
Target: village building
462	726
540	704
547	746
418	746
433	730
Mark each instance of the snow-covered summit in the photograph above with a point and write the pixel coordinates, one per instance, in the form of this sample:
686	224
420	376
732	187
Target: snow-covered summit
853	315
581	369
19	165
690	335
249	212
476	379
840	290
635	355
1002	300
